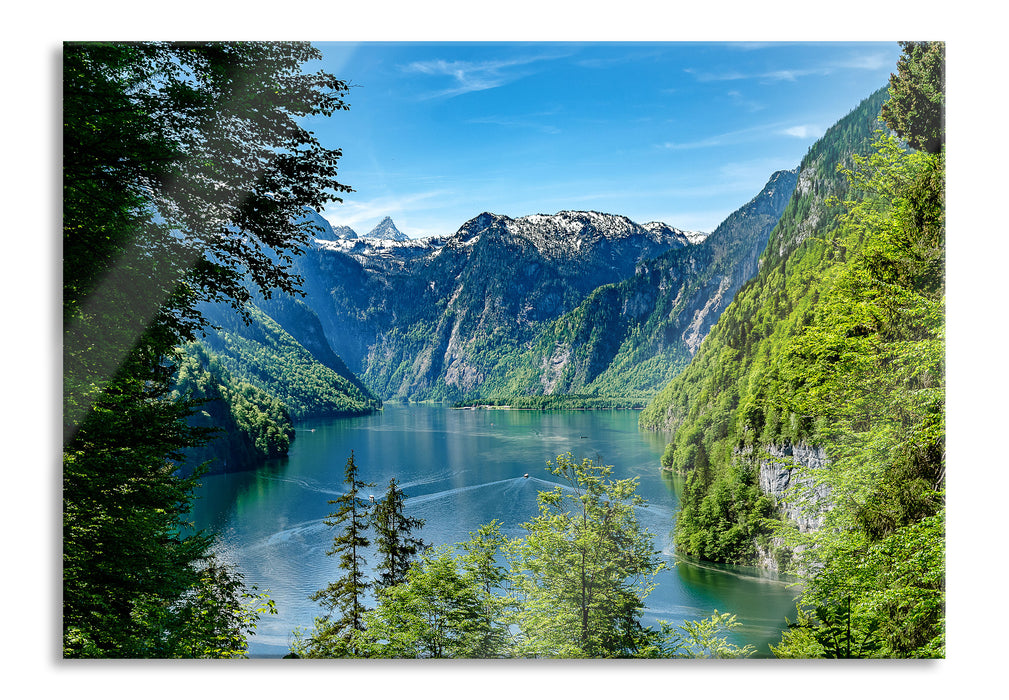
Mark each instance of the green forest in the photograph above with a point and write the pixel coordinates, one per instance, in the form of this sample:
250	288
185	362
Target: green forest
186	173
838	342
265	355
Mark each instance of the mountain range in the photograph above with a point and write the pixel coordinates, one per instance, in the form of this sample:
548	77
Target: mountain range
454	317
545	304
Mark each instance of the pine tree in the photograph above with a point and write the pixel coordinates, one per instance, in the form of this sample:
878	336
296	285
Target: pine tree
916	110
396	546
335	637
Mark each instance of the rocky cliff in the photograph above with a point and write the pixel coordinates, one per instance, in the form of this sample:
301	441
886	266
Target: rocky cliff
633	336
434	318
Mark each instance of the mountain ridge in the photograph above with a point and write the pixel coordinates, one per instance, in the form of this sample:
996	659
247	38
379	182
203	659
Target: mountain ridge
414	318
630	337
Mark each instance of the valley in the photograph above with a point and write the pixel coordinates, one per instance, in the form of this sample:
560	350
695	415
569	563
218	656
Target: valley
661	420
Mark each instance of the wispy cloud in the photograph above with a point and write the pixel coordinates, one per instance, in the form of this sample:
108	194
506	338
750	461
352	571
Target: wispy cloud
754	133
738	100
529	122
354	212
772	76
855	61
473	76
723	139
802	131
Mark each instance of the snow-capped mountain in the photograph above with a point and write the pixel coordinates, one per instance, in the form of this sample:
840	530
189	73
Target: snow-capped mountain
412	316
450	316
573	235
386	230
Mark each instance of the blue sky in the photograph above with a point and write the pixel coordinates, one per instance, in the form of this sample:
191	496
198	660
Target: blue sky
683	133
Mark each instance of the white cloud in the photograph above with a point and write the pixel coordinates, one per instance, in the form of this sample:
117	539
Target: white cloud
473	76
750	134
855	61
802	131
784	74
728	137
354	212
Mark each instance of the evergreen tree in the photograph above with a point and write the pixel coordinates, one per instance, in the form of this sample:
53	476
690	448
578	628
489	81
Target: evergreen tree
345	596
396	545
916	110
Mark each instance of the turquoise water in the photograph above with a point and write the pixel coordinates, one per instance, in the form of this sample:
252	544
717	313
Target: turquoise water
459	469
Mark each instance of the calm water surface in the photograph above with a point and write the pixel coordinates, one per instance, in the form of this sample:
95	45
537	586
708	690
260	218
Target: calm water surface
459	469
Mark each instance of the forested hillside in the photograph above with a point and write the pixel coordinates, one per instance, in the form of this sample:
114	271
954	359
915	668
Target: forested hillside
826	374
306	377
249	425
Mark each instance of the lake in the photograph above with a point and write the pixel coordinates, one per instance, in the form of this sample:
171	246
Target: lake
460	469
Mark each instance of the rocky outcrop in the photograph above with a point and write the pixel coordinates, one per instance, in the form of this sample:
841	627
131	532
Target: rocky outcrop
386	230
784	478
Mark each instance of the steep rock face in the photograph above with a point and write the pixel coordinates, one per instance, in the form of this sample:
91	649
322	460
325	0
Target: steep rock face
631	337
386	230
318	227
344	232
783	471
794	493
432	318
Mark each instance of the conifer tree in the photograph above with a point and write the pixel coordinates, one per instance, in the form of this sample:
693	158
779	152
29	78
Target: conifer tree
397	548
345	596
916	110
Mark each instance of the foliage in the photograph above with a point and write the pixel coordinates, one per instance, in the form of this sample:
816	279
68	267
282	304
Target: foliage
134	585
217	616
250	426
397	547
183	165
582	571
699	639
916	110
872	363
345	596
447	606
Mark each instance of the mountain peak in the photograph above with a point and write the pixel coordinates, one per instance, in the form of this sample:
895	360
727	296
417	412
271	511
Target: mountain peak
386	230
